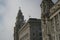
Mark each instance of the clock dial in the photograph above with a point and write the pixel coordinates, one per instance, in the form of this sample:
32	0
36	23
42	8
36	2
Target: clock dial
20	19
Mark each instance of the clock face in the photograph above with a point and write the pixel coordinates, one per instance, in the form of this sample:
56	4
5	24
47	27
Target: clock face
20	19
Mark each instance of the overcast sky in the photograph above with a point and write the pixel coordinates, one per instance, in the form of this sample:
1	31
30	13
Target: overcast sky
8	13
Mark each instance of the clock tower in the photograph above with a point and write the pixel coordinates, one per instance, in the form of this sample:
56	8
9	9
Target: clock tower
19	19
19	23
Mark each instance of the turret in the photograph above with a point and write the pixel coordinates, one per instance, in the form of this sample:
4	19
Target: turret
19	19
19	23
45	6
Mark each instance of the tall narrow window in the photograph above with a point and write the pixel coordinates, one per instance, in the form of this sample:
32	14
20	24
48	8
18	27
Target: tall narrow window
56	23
59	36
52	25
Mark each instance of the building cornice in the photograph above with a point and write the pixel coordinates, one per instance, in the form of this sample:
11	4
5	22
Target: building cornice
55	8
53	15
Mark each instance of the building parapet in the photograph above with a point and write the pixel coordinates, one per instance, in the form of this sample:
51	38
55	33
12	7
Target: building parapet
55	8
29	21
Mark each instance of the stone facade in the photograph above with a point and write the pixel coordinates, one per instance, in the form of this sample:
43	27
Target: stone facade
31	30
27	31
50	19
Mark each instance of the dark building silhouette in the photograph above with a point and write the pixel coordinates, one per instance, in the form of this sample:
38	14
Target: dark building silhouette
19	23
31	30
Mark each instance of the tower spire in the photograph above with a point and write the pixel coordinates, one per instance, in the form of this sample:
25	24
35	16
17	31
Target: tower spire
19	19
19	23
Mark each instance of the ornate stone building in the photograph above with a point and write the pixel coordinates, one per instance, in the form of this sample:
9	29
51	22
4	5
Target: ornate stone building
50	19
19	23
31	30
27	31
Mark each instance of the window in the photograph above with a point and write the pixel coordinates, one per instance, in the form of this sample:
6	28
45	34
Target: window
33	38
52	25
59	13
59	16
40	38
56	23
40	28
59	36
33	34
40	34
53	37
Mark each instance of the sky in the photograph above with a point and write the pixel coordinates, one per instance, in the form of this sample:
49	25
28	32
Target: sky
8	13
